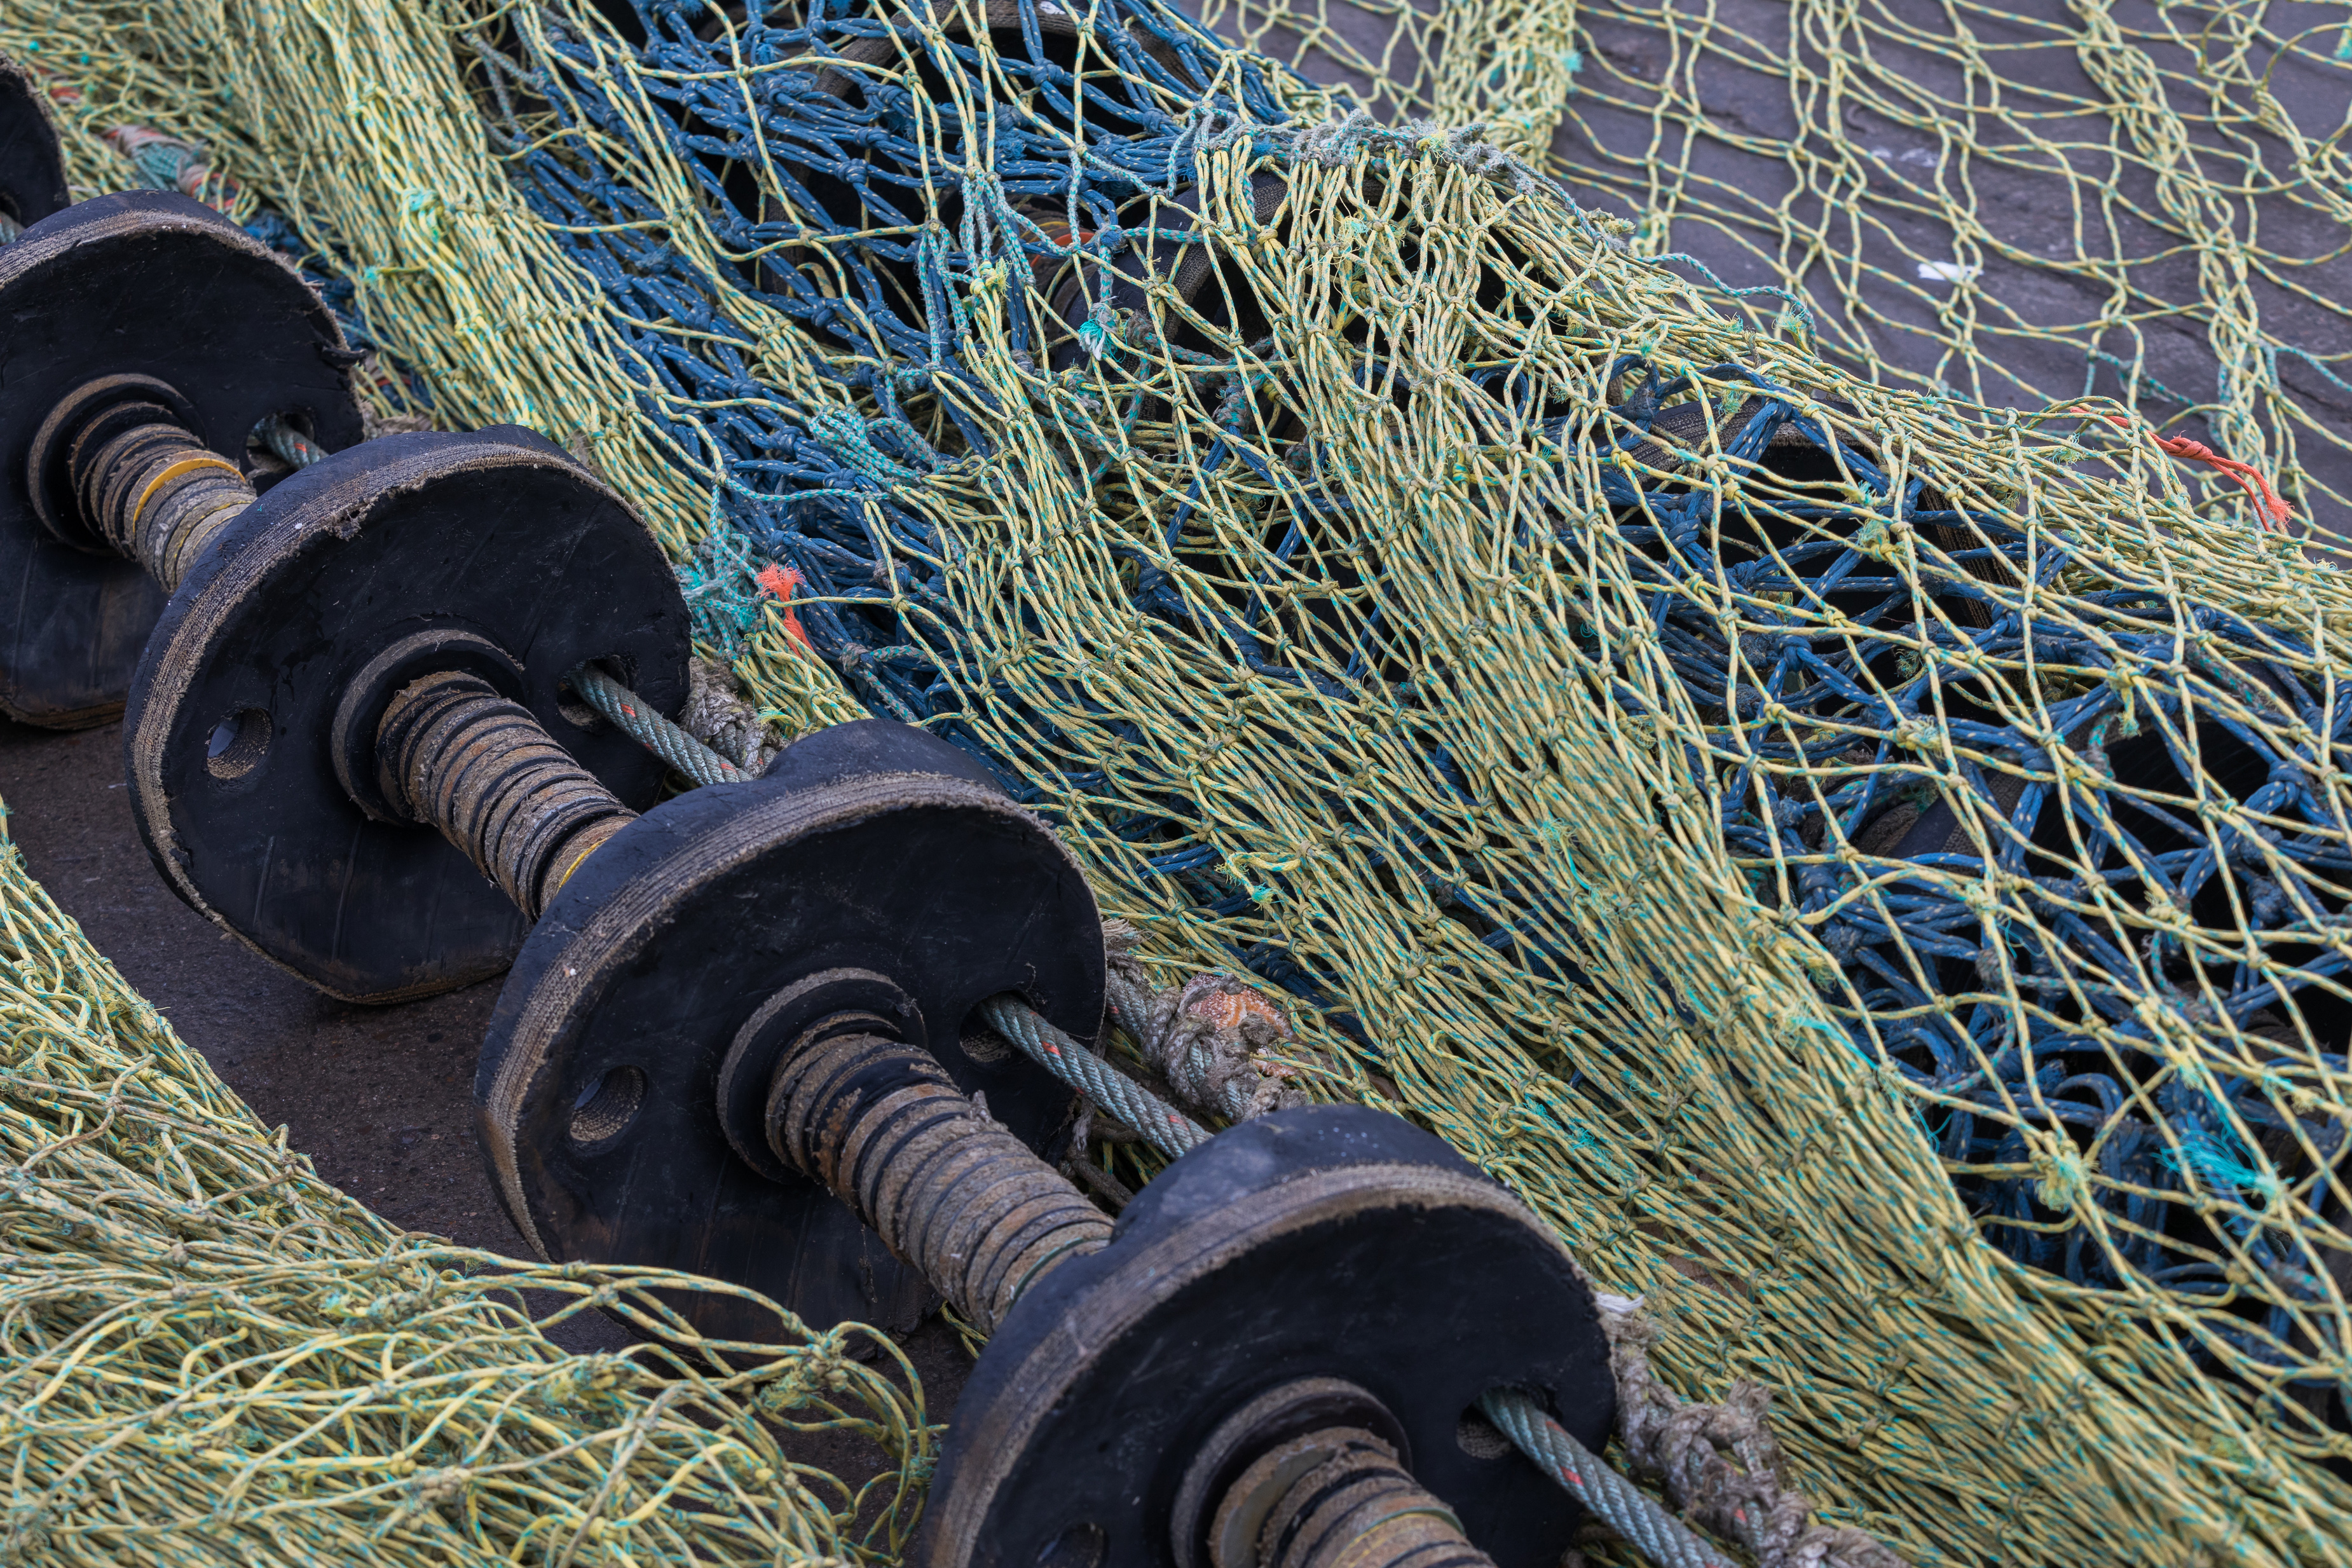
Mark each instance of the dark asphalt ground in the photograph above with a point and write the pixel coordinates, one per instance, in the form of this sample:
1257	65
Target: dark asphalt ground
379	1098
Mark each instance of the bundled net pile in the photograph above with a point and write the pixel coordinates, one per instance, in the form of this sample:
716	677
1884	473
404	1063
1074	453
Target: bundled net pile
1871	867
209	1355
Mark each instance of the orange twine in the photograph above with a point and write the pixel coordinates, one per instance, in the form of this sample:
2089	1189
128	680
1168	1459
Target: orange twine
2273	511
778	580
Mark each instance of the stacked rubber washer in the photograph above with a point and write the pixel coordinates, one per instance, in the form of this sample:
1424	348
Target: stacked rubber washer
733	1038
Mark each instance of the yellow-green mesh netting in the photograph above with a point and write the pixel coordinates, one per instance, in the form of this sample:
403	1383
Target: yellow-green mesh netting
209	1355
1867	867
2024	202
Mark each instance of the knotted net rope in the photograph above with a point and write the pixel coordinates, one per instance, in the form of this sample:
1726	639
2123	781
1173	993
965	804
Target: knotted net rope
1867	867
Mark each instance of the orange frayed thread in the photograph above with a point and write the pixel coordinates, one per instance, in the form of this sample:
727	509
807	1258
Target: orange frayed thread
2267	500
779	582
1229	1010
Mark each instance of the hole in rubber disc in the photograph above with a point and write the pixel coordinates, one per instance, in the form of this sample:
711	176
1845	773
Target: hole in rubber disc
1080	1546
238	744
263	456
985	1045
606	1107
574	710
1479	1437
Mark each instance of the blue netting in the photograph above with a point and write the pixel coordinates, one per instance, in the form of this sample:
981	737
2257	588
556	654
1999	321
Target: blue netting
858	156
1988	1010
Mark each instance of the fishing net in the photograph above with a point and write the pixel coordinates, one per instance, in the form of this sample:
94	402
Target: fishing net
2016	204
1866	859
210	1356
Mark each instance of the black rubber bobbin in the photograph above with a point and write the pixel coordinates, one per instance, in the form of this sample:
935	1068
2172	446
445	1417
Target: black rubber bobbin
350	745
874	881
1311	1474
1274	1360
146	309
491	563
32	165
1320	1271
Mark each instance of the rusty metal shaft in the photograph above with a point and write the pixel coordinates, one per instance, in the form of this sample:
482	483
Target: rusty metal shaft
155	492
881	1125
1336	1499
454	753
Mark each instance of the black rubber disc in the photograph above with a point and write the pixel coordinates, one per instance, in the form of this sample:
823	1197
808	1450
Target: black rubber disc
32	169
1330	1243
495	538
147	284
871	847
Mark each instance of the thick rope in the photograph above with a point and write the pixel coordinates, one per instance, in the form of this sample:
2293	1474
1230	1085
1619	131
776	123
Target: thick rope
637	719
1617	1502
717	714
289	446
1219	1043
1719	1463
1160	1124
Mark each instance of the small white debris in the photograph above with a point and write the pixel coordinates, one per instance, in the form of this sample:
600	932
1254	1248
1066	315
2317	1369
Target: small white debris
1947	272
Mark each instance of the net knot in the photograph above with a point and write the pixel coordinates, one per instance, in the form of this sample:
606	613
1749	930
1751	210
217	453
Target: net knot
2061	1180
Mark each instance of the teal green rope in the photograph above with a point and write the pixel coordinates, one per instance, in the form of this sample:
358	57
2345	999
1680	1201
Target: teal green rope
636	718
1159	1124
